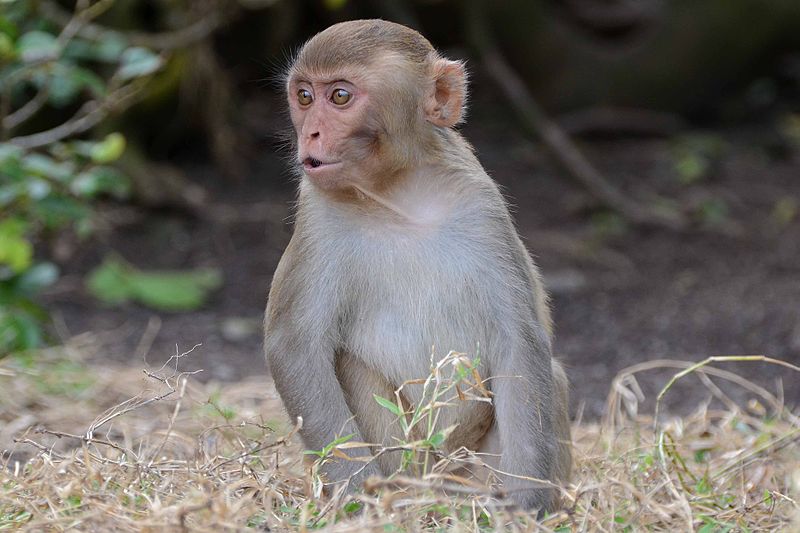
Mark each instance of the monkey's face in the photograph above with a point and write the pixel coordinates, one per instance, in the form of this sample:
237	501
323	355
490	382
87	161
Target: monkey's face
364	125
329	119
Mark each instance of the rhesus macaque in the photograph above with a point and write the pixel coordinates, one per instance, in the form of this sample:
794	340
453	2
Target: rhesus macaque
403	242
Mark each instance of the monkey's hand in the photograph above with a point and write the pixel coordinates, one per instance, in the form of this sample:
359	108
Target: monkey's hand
525	496
338	471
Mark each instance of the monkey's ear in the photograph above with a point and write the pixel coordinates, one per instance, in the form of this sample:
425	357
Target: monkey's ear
446	101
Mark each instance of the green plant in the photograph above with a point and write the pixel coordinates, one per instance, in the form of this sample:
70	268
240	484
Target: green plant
57	81
696	156
116	282
453	378
20	280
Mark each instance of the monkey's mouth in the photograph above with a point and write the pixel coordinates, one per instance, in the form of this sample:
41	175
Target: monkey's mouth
310	163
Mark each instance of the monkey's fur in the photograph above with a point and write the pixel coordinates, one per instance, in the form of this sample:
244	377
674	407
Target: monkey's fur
403	242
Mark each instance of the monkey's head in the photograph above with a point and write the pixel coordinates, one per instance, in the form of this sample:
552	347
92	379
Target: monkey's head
366	98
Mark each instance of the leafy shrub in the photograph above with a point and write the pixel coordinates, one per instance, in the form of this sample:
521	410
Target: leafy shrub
57	81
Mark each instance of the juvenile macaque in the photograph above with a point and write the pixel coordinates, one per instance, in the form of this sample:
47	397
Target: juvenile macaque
403	242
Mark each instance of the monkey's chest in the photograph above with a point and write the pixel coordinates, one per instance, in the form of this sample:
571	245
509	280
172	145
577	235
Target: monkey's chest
411	308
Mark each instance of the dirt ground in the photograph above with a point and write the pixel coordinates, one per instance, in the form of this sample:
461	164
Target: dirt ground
620	295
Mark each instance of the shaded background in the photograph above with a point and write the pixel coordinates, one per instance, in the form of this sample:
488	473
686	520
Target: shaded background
687	112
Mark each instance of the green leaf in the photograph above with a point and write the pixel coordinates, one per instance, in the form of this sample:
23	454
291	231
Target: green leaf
352	507
608	224
37	277
110	283
88	80
708	527
313	452
334	443
12	176
115	282
62	90
47	167
101	180
785	210
7	51
703	485
334	5
109	149
11	193
701	456
7	27
695	156
18	331
37	46
111	48
691	168
386	404
80	50
15	250
9	152
38	189
713	212
57	211
138	62
175	291
108	49
437	439
67	81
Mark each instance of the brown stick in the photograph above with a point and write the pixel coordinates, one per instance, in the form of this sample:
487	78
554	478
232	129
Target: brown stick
169	40
88	116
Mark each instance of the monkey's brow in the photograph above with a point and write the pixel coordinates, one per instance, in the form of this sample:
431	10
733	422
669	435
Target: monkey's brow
334	76
326	81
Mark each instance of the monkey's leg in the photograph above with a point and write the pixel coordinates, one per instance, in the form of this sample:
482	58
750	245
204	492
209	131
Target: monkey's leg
377	424
561	424
524	414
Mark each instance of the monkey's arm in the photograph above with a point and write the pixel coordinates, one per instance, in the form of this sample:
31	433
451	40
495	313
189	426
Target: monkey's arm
302	367
524	414
301	361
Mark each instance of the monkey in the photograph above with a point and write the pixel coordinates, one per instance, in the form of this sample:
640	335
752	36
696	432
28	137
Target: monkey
402	242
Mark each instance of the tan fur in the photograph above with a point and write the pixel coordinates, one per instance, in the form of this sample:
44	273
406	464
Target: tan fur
402	242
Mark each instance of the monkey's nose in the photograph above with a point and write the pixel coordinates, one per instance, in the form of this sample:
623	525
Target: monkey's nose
314	135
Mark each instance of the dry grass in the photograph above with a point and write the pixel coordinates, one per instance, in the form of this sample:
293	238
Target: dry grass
101	448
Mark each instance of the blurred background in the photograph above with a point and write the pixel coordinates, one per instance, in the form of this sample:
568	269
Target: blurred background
650	150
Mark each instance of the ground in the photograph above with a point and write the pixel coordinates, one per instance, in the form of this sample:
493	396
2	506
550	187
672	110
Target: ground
620	294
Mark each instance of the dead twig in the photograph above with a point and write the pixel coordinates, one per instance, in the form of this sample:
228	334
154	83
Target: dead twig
88	116
165	41
30	108
86	439
261	447
137	402
715	359
401	482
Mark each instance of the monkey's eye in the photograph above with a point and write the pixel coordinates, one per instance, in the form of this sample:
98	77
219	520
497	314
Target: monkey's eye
304	97
340	96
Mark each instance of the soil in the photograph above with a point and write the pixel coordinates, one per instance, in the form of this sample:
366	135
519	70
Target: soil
621	294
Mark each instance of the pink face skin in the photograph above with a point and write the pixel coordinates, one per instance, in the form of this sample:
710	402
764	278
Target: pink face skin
325	114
